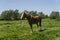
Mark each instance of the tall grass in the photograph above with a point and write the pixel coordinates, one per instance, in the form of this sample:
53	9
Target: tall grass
20	30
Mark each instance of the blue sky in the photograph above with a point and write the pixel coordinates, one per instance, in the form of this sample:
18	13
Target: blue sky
45	6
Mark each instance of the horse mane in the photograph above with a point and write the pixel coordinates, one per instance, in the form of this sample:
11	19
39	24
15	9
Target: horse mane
28	14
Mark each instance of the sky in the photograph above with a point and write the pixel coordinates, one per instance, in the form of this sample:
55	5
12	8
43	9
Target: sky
46	6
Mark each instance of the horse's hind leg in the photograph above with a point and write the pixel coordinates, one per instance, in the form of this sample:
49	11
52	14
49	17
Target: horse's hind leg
40	24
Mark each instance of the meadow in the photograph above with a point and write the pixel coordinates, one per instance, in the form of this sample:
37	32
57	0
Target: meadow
20	30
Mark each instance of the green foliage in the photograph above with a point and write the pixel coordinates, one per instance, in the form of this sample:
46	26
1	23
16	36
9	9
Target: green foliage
46	16
42	15
54	15
14	14
58	19
34	13
20	30
10	14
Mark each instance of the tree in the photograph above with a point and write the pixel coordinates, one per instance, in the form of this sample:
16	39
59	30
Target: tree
54	15
46	16
34	13
41	14
16	14
10	15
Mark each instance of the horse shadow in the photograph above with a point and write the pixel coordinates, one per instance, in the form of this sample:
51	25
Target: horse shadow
42	30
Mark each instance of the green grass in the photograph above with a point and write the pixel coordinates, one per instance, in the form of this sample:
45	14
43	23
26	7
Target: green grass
20	30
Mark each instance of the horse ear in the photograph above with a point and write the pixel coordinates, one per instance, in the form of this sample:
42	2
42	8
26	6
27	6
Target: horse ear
24	12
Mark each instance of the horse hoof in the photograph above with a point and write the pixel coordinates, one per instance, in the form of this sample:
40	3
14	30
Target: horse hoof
41	30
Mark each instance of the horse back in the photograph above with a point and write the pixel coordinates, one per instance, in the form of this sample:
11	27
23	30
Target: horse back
36	17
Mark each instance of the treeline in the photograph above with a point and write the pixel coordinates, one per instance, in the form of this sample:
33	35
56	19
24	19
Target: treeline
10	15
15	14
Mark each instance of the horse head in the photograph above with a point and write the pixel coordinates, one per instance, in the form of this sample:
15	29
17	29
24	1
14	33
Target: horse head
23	15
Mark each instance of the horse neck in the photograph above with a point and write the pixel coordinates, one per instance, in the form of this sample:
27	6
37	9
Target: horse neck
28	17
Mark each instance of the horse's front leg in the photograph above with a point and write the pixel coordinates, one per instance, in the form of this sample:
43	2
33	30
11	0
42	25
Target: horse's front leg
37	25
31	26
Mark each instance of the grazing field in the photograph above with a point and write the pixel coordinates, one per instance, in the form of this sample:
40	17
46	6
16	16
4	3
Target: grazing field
20	30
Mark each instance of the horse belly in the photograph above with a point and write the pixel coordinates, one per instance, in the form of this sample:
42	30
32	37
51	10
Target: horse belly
34	21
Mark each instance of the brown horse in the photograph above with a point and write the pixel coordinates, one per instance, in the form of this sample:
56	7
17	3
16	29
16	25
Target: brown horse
32	19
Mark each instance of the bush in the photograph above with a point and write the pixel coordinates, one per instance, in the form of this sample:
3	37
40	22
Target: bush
58	19
54	15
